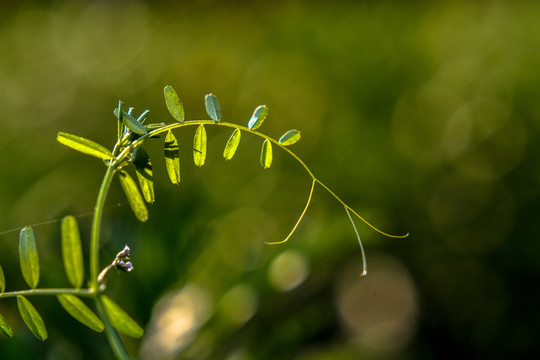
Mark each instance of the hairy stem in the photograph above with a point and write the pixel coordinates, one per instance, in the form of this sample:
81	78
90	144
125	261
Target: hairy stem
58	291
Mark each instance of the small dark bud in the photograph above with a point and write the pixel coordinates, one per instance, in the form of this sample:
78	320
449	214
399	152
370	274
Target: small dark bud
124	266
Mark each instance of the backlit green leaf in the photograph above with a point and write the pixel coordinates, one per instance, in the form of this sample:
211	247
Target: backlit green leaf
31	318
172	159
199	146
174	104
143	167
232	144
213	108
134	196
78	309
290	137
134	125
72	251
29	257
83	145
2	280
259	115
120	320
4	327
266	154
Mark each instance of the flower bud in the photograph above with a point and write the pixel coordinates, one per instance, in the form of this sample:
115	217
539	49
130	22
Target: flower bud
124	253
124	266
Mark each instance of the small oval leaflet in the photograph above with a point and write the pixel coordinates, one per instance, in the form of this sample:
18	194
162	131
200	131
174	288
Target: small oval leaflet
4	327
133	124
213	109
134	197
31	318
266	154
78	309
85	146
174	105
2	281
172	159
143	168
232	144
120	320
290	137
199	146
259	115
29	257
72	251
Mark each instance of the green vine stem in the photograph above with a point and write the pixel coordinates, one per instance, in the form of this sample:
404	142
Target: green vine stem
122	155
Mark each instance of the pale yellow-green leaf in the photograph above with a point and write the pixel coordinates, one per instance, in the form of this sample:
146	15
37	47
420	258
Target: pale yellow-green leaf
173	103
72	251
290	137
266	154
232	144
28	256
120	320
134	197
199	146
172	159
85	146
259	115
82	313
143	167
31	318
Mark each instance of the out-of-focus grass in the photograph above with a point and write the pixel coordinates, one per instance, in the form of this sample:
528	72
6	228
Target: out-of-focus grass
424	117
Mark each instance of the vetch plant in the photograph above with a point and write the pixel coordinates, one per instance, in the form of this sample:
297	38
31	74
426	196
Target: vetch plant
132	134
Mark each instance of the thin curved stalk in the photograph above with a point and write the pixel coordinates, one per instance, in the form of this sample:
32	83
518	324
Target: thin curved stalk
299	219
96	224
114	339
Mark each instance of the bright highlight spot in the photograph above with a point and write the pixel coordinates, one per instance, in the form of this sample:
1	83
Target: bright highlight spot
288	270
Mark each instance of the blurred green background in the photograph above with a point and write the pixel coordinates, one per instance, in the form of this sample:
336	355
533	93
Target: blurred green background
422	115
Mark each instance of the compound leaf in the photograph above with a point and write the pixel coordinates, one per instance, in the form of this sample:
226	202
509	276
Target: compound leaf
172	159
259	115
72	251
2	280
232	144
83	145
29	257
174	104
199	146
134	196
4	327
213	108
266	154
143	167
290	137
31	318
120	320
82	313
